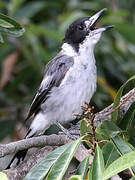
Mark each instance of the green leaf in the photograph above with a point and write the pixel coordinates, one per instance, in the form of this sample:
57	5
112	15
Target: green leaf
126	122
123	147
131	133
76	177
117	99
83	168
3	176
107	130
124	162
10	26
110	153
133	178
60	167
9	22
5	24
97	168
12	31
85	129
54	165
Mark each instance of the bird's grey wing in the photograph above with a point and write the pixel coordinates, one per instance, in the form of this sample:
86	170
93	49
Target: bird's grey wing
54	74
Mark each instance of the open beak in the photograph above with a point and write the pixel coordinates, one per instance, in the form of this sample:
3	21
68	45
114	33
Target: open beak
92	22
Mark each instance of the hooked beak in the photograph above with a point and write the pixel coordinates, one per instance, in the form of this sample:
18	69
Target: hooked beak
92	22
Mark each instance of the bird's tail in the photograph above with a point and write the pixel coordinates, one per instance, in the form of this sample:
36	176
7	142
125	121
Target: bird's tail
20	155
17	158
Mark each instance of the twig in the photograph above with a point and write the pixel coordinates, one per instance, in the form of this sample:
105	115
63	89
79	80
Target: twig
89	116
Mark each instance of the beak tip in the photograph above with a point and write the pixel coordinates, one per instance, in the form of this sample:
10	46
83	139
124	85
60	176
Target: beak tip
112	26
102	11
109	27
105	9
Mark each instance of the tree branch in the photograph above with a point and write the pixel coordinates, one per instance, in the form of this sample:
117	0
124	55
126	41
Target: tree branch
52	140
125	103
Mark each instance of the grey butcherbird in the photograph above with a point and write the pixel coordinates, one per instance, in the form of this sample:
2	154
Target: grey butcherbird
69	79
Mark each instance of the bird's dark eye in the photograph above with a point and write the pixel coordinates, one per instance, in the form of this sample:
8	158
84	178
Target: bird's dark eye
80	27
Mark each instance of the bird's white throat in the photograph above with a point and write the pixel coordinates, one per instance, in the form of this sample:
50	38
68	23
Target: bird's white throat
85	47
68	50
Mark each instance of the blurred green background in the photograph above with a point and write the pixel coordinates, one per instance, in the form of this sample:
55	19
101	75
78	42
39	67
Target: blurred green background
23	59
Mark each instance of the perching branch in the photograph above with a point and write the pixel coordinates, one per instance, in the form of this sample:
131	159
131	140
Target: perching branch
125	103
52	140
57	140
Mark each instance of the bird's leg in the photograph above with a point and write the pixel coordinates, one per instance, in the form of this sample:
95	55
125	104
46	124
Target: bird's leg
65	131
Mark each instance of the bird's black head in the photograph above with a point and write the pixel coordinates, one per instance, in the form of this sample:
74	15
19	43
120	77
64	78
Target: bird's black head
77	32
84	28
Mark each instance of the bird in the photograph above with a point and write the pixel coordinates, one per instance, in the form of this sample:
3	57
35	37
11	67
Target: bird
69	80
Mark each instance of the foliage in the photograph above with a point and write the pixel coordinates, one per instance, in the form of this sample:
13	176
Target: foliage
83	168
55	164
117	99
9	26
3	176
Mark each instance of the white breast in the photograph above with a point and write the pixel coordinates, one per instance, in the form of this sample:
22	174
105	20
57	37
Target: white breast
83	72
78	86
